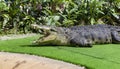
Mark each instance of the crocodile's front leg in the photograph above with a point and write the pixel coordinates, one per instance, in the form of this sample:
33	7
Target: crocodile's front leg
80	41
115	36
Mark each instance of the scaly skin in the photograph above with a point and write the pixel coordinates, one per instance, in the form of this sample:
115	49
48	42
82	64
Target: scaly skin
78	35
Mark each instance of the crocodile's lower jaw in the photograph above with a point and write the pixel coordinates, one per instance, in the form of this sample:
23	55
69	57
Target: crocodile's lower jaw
53	39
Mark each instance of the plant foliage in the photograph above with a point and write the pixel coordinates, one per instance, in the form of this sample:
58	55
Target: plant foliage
19	14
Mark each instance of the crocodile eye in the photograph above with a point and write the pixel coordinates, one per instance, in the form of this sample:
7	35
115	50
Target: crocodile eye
54	30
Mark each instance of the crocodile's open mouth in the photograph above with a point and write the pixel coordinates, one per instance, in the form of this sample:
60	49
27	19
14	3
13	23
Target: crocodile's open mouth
51	36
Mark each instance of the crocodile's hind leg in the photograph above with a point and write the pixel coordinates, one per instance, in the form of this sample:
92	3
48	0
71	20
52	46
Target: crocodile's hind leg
116	36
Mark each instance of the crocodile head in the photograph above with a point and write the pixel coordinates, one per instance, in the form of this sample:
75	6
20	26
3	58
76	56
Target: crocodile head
51	35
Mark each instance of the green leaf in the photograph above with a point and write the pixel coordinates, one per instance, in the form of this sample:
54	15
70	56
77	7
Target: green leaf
92	21
3	6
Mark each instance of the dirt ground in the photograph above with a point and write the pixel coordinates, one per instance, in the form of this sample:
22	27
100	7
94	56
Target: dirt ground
24	61
17	36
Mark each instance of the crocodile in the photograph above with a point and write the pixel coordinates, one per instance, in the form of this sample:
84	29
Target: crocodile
78	35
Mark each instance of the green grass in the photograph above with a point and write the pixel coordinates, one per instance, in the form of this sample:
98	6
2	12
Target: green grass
98	57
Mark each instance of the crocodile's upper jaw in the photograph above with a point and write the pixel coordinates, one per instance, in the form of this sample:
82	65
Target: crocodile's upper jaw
53	39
